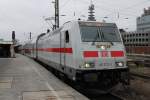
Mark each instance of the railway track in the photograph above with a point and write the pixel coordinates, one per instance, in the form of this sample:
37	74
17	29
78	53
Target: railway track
106	97
141	76
98	95
139	60
118	96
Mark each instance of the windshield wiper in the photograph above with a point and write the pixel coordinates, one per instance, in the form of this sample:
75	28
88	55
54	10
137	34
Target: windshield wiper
96	37
103	38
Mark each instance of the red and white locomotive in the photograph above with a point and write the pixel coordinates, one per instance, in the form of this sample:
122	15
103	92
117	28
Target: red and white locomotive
84	51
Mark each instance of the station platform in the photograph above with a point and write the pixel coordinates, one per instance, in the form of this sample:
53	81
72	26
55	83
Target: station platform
23	79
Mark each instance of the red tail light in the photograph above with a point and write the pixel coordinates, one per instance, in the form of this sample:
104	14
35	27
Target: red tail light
90	53
117	53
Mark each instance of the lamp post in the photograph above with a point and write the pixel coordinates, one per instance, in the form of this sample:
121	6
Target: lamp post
56	6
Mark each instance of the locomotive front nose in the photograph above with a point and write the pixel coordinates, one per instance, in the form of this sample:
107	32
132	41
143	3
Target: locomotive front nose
101	46
97	58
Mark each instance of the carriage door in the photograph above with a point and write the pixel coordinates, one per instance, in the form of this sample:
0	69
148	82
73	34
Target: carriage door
66	45
63	45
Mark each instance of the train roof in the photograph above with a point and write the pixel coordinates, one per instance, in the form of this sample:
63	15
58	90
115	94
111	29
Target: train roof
86	23
95	23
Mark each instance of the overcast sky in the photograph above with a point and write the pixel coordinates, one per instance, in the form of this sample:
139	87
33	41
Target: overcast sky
24	16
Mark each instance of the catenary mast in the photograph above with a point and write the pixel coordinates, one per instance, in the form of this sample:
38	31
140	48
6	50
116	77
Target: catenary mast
56	14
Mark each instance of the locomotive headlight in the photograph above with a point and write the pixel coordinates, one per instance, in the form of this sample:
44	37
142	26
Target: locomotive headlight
103	47
88	65
119	64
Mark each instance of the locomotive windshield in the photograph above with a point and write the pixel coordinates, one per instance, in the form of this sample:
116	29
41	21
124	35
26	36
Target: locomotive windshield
98	33
90	34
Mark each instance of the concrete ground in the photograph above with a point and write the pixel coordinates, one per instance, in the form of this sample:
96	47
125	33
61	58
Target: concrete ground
23	79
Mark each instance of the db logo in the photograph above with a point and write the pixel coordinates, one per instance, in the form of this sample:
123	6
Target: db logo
104	53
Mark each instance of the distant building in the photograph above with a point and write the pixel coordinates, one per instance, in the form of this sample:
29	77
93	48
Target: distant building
139	42
136	42
6	49
143	22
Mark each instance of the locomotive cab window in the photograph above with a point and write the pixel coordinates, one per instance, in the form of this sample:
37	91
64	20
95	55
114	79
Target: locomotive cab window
93	33
67	37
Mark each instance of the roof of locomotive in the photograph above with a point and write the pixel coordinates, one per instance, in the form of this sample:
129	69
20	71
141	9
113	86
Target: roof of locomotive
86	23
95	23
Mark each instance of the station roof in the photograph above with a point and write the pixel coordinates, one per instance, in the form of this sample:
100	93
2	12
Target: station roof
5	42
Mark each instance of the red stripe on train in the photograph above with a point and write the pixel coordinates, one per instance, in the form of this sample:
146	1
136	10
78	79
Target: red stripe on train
117	53
90	53
57	50
104	54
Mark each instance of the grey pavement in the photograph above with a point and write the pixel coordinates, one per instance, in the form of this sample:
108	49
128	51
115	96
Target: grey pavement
21	78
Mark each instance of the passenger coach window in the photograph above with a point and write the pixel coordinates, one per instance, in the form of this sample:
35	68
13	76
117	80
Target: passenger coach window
67	36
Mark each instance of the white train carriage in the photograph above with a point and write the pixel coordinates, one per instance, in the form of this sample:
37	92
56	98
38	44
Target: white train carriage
85	51
29	49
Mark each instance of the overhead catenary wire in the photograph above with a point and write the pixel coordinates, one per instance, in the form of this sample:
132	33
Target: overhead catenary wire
126	12
64	4
130	13
129	7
